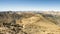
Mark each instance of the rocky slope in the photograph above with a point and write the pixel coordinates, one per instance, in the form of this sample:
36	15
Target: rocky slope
29	23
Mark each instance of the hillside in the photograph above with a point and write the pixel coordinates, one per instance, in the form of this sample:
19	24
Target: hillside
29	23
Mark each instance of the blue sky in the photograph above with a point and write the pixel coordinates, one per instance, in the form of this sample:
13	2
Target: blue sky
29	5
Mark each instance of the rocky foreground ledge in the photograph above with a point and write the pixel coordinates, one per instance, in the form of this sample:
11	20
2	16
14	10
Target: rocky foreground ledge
29	23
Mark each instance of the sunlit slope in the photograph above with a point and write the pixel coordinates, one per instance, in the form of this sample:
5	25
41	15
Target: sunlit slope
40	25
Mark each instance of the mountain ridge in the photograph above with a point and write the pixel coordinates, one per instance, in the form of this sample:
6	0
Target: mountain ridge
29	23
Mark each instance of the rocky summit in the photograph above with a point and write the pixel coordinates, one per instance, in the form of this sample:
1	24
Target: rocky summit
29	23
